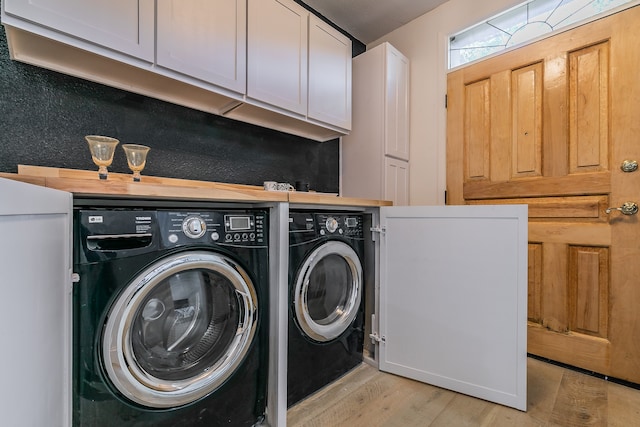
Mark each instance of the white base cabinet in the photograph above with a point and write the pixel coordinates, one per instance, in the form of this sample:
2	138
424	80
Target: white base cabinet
453	298
451	294
375	155
35	322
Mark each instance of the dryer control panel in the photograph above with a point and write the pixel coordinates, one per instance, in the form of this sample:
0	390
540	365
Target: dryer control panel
339	224
326	224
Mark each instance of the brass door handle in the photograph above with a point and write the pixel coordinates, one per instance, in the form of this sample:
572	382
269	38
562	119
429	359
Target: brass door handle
629	166
627	208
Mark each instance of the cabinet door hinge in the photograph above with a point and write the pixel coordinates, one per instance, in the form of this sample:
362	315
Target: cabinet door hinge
375	338
375	231
446	101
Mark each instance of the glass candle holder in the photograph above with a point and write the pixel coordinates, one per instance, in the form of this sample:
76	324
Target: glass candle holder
136	158
102	150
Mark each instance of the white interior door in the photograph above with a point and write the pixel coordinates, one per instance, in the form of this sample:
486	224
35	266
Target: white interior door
453	298
35	321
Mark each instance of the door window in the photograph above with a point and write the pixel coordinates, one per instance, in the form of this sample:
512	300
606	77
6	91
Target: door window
328	291
180	329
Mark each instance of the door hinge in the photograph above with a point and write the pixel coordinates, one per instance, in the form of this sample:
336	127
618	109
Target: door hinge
375	338
75	277
375	231
446	101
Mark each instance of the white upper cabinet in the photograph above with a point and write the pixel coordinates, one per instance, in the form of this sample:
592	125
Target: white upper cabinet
277	54
397	104
122	25
205	39
329	74
266	62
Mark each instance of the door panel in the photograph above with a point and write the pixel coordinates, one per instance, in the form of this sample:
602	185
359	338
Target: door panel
453	300
35	223
563	117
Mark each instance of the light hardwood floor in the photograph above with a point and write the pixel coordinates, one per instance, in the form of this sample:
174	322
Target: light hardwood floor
556	397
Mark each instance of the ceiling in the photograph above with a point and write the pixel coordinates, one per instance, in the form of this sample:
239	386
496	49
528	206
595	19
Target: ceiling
368	20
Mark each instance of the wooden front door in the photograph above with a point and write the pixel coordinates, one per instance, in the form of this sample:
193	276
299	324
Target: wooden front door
549	125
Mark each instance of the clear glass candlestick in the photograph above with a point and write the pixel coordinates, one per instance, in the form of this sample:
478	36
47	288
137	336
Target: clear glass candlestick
102	149
136	158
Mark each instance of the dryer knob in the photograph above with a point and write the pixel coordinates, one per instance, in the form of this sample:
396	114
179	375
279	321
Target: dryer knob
331	224
194	227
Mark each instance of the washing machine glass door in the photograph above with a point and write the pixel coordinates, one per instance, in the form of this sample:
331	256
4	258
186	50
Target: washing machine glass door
180	329
328	291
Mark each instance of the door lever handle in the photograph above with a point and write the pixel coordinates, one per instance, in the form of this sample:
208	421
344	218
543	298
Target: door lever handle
627	208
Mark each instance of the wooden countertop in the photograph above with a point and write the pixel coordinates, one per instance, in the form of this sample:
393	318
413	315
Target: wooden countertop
86	183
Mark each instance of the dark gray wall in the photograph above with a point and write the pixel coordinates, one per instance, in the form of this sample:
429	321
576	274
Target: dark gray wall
45	115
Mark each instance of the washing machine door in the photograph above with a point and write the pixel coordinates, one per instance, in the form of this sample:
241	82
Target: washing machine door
180	329
328	291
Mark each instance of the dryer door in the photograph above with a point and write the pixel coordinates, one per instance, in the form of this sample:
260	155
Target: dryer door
328	291
180	329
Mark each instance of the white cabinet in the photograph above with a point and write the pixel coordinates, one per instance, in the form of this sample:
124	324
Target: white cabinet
396	103
122	25
375	155
396	181
266	62
205	39
329	74
453	298
35	322
298	63
277	54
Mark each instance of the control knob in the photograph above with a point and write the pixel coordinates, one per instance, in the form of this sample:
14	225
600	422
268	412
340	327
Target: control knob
194	227
331	224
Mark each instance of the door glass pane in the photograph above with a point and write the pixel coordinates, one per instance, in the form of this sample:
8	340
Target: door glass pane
521	24
330	286
185	324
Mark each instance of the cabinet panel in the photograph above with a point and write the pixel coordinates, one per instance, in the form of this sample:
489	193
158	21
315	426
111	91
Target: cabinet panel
122	25
397	105
277	54
205	39
329	75
375	154
396	180
35	223
453	298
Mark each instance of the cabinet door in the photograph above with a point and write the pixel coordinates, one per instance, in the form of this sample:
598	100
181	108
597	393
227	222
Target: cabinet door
35	321
397	105
396	181
329	74
205	39
277	54
122	25
453	298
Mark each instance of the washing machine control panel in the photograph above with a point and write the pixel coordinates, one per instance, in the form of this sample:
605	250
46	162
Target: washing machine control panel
223	227
340	224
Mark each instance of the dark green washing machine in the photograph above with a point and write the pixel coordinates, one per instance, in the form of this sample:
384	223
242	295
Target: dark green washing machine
170	313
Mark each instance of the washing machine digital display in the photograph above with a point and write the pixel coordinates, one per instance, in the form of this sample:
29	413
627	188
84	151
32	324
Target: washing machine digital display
352	222
238	223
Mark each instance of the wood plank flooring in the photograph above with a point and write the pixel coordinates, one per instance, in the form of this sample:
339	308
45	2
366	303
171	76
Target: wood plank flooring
556	397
